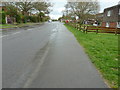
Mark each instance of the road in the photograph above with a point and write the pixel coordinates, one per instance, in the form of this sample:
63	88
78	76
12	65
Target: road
46	56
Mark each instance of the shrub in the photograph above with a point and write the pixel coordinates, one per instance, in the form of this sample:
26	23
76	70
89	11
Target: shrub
18	18
24	19
3	18
3	21
33	18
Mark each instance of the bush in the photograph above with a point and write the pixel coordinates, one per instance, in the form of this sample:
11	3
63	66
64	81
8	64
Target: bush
42	19
29	19
3	21
24	19
33	19
3	18
18	18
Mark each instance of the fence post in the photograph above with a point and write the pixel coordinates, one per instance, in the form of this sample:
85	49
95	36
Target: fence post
116	31
86	29
96	31
78	27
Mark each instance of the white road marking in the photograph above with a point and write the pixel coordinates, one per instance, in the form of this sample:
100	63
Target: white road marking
9	35
15	33
29	29
3	36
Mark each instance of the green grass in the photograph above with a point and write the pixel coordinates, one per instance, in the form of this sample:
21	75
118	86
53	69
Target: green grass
15	25
7	25
103	51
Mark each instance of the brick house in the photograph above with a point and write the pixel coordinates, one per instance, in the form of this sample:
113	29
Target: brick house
111	17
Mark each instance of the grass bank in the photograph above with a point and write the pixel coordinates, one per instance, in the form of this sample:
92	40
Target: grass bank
103	51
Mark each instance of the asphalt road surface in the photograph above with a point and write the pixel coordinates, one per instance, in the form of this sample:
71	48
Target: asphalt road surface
46	56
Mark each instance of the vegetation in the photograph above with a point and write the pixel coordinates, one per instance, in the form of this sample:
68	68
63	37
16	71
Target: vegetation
103	51
27	11
3	17
18	18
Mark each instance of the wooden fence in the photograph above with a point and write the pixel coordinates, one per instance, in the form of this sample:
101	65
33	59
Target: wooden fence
96	29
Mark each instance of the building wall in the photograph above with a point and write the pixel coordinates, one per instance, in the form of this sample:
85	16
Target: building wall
103	24
113	24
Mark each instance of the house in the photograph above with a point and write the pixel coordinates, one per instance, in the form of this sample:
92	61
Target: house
111	17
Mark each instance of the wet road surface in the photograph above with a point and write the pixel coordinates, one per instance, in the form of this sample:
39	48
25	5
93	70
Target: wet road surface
47	56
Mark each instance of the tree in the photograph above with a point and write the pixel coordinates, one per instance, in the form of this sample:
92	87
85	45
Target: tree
41	15
82	9
12	11
42	6
24	7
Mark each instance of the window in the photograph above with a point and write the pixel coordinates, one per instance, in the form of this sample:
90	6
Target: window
118	24
107	24
109	13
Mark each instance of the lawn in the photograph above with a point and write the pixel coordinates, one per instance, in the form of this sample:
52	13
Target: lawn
103	52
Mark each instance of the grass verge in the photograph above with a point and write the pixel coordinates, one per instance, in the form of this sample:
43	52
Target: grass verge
103	52
15	25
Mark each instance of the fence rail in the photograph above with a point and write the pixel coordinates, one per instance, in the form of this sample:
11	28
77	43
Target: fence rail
96	29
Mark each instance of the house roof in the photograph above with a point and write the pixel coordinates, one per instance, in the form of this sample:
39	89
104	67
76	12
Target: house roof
112	7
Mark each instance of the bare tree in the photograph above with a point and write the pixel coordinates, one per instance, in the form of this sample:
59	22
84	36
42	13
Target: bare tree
42	6
25	6
83	9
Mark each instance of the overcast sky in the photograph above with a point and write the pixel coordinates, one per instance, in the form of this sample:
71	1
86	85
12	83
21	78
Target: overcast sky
58	6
